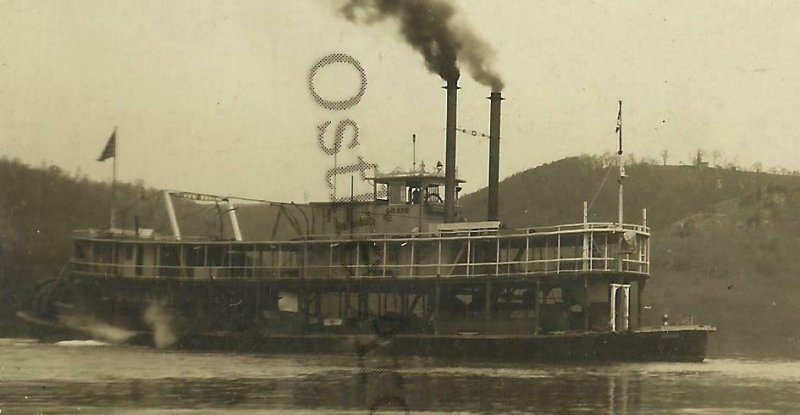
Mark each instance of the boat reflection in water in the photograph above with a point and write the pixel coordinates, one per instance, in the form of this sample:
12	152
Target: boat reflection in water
59	379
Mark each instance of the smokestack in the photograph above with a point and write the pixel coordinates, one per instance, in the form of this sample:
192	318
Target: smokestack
450	152
494	156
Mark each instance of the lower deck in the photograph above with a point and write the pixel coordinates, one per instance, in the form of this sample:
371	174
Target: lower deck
596	302
671	343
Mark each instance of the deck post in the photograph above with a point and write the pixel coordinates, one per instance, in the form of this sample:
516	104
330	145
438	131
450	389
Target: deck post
585	236
347	295
257	299
280	259
113	263
527	252
537	307
358	259
439	258
487	305
317	304
469	250
304	298
497	257
546	254
305	259
341	304
586	302
411	268
558	253
640	291
157	262
384	257
437	303
330	259
182	260
626	306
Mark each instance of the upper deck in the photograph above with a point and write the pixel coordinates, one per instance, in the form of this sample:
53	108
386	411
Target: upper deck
459	250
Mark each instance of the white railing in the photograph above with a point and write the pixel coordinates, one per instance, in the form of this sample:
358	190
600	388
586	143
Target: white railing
564	249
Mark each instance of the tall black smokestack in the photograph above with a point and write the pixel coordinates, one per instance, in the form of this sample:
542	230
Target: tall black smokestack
450	152
494	156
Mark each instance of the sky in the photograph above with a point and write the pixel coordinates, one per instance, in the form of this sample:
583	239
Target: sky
214	97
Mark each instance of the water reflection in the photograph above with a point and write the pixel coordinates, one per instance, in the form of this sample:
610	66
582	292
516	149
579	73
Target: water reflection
337	391
142	380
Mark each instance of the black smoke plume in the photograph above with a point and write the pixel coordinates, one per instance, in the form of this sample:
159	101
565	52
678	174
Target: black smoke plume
428	27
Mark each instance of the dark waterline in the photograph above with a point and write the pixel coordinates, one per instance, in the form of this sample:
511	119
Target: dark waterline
81	378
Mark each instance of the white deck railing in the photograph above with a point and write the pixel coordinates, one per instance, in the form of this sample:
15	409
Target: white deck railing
556	250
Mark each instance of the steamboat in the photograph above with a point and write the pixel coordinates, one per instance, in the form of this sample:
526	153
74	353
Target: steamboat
403	270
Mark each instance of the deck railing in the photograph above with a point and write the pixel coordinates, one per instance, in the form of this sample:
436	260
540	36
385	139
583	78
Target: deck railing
557	250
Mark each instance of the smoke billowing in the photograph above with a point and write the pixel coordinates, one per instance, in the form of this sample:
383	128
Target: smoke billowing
428	27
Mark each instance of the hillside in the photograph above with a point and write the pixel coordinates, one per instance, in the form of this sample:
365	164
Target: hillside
724	241
735	266
554	192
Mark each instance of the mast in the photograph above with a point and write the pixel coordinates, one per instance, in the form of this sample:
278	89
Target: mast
414	152
110	151
114	185
621	163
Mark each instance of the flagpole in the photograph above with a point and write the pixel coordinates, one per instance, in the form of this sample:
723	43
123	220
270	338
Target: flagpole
114	184
621	165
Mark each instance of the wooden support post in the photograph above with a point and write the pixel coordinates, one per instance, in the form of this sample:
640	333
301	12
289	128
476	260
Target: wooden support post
358	260
304	298
469	251
497	258
157	262
182	260
527	252
586	302
537	307
347	296
305	260
257	301
437	303
411	268
558	253
487	305
639	292
318	305
439	258
383	274
340	305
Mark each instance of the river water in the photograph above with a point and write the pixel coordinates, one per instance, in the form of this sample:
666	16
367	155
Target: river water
91	378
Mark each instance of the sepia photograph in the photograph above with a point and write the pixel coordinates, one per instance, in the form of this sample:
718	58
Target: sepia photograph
399	206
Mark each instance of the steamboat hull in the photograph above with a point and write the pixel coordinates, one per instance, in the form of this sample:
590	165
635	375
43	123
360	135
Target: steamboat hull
674	345
665	344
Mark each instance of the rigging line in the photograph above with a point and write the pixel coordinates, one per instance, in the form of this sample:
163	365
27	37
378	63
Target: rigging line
222	198
608	173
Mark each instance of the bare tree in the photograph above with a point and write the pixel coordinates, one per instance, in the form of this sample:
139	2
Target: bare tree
698	158
664	154
716	155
